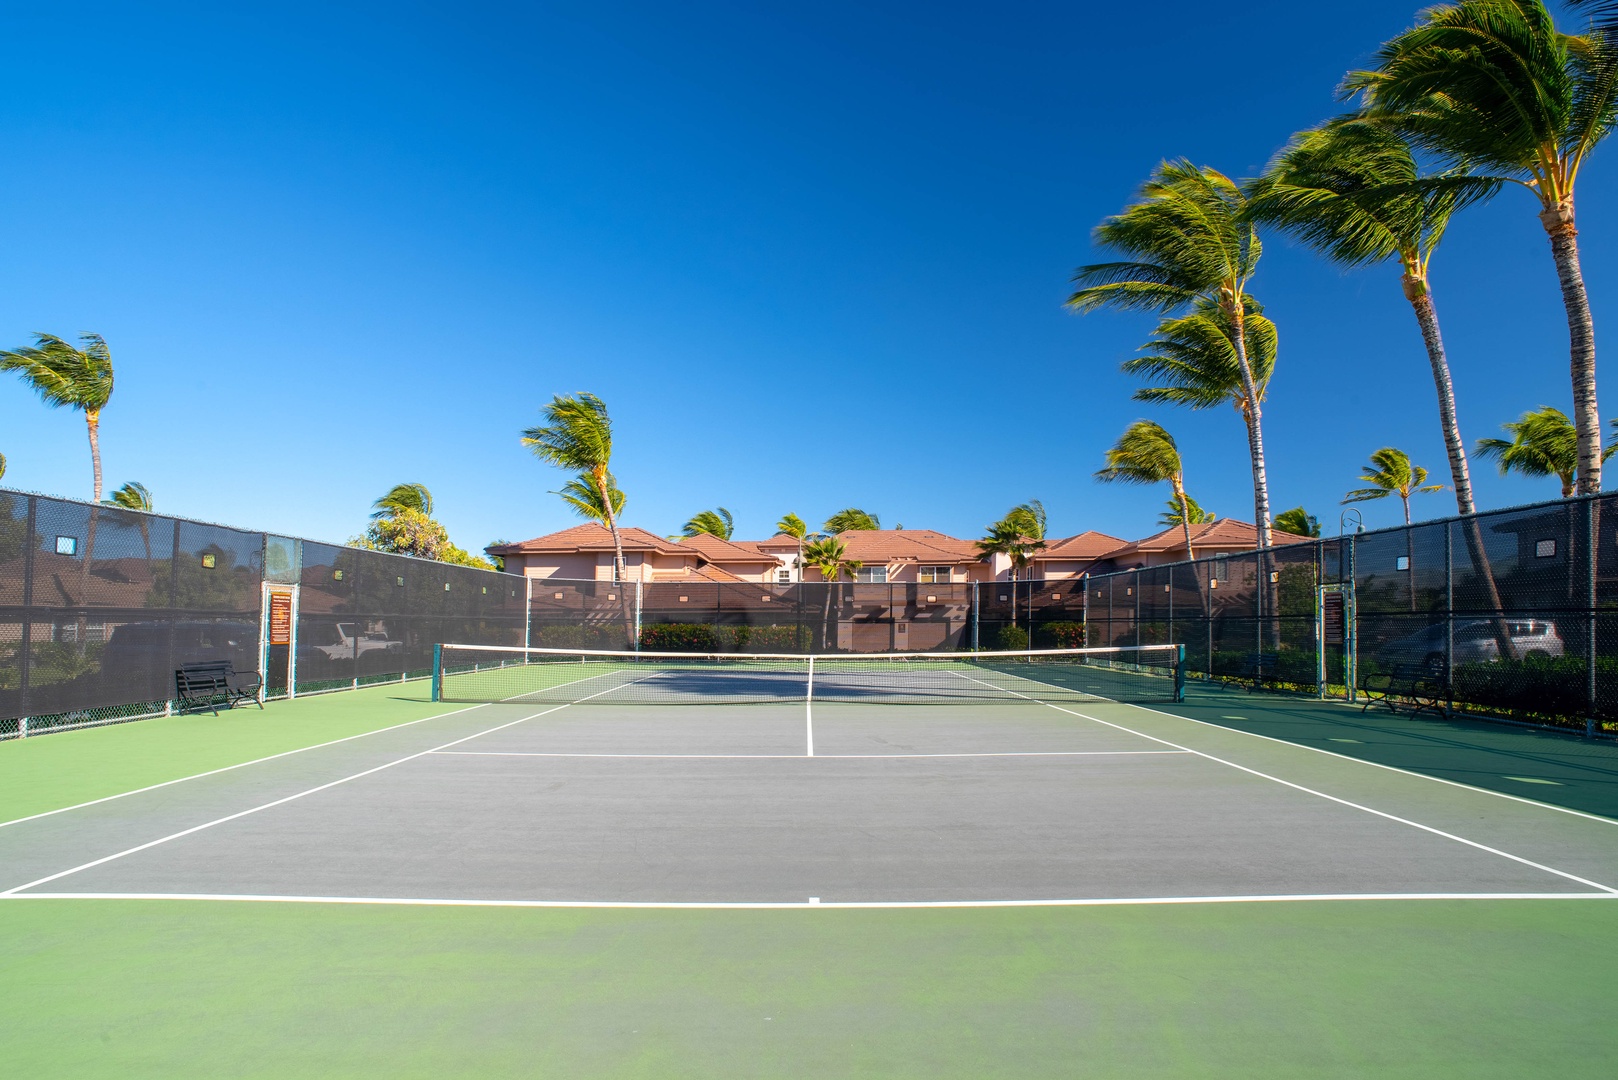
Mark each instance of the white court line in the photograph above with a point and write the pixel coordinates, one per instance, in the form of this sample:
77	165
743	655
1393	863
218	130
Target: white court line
1379	765
795	757
270	757
279	802
1323	795
1129	901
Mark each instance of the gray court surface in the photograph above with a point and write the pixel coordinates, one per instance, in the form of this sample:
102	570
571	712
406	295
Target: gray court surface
774	804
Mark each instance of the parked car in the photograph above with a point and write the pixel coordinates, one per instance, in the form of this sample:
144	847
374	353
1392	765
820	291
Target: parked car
1475	643
349	646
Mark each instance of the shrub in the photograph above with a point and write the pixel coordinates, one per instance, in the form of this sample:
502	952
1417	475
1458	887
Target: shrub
678	637
1059	635
1010	639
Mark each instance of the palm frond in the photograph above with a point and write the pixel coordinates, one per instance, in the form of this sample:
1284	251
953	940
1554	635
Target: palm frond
63	375
576	434
1144	454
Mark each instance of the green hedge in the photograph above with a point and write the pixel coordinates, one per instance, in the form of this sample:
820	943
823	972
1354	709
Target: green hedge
703	637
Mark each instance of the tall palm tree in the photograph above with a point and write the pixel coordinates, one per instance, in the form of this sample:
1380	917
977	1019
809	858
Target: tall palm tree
1494	85
852	518
1005	537
1543	442
577	435
711	522
1178	514
77	378
403	497
829	556
584	497
1603	14
1146	454
1391	473
1187	238
1351	189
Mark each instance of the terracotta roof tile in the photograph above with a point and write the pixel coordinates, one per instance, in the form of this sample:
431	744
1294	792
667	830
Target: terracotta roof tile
1086	545
1226	533
716	550
590	537
907	545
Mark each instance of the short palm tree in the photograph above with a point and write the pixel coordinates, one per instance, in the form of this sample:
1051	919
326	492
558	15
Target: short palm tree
1005	537
576	435
584	497
64	376
1351	189
1391	473
829	556
794	526
1178	514
1146	454
1298	522
403	497
2	465
132	496
1187	238
852	518
712	523
1029	518
1543	443
1493	84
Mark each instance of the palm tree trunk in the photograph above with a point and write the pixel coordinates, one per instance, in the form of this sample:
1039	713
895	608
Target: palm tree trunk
1255	428
620	569
1421	300
92	420
1185	515
1558	222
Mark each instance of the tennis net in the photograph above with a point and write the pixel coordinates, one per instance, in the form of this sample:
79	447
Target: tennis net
482	673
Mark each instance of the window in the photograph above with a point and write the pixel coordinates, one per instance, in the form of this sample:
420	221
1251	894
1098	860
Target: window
1545	549
931	575
872	575
783	577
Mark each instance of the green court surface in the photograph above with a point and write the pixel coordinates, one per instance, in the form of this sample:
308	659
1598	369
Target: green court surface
1118	984
1469	989
1556	767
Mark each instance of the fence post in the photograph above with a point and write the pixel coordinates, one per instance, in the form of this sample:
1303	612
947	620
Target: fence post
1137	576
1351	624
527	611
1449	620
1591	533
24	653
974	616
638	584
1084	609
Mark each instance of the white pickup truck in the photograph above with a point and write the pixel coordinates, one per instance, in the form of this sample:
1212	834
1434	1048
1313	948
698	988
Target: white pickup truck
349	646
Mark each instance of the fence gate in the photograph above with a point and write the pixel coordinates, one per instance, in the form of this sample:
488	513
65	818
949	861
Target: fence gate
1334	639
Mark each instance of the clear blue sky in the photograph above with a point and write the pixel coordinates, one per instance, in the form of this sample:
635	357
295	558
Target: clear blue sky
811	256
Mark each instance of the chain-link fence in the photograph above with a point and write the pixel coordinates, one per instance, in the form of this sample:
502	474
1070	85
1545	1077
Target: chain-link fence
99	605
1512	613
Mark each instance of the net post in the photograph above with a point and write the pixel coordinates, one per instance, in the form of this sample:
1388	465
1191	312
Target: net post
438	672
1179	674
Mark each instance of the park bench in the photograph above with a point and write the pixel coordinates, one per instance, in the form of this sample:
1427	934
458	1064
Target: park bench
209	684
1418	685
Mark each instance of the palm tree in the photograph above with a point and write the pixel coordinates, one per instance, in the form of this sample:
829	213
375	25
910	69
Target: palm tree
711	522
135	496
1493	84
1543	442
830	557
794	526
1146	454
1604	15
1351	189
577	435
1005	537
1391	473
1176	514
584	497
1029	518
1187	238
2	465
403	497
852	518
77	378
1298	522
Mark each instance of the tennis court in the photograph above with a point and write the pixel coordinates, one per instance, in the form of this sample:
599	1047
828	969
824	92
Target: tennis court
1017	857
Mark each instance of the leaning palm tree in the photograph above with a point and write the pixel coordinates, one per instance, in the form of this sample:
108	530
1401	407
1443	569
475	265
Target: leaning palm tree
577	435
1188	238
581	494
712	523
852	518
77	378
1178	514
403	497
1391	473
1352	190
2	465
1298	522
1543	442
1492	84
794	526
829	556
136	496
1146	454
